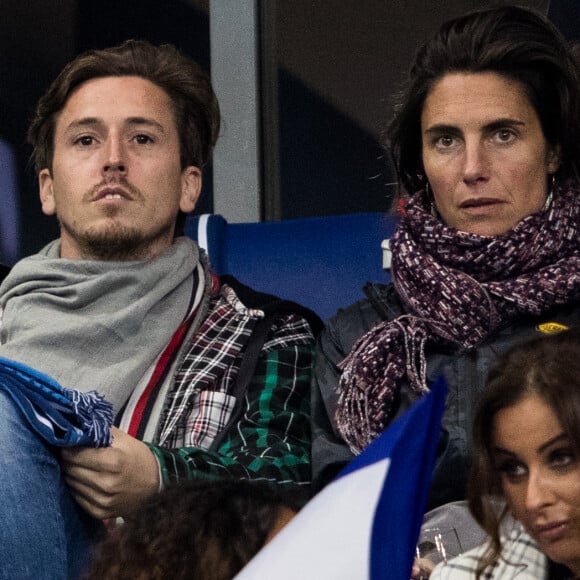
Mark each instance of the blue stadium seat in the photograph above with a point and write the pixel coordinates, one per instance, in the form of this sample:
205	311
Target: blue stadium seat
319	262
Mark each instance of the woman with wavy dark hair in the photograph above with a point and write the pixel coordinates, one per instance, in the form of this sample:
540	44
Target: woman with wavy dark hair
201	530
526	465
486	141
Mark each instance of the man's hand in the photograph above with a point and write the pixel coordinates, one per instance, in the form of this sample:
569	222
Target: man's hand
111	481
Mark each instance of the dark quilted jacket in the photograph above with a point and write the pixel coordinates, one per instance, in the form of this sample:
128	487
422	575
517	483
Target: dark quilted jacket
465	372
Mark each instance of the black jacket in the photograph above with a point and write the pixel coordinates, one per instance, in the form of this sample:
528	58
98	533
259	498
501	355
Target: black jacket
464	370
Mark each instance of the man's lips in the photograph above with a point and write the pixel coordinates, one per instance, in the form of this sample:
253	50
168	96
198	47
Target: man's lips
112	193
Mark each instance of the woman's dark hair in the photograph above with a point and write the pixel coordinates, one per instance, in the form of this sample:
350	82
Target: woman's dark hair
548	366
514	42
206	530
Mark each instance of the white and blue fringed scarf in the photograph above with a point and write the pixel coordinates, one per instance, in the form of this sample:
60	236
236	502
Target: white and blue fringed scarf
83	326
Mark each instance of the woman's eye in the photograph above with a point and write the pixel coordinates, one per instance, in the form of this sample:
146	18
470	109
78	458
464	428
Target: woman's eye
562	457
505	135
512	470
143	139
445	141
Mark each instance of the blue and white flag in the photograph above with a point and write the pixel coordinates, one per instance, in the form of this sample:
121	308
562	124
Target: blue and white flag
365	524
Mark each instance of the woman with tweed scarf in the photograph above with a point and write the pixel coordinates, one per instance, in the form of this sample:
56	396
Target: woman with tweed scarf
486	142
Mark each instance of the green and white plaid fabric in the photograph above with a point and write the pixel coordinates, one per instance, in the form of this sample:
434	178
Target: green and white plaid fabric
271	439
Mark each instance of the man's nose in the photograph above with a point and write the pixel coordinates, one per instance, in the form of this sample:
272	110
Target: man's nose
114	160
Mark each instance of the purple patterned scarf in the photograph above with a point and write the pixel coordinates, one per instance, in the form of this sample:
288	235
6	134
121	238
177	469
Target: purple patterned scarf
456	288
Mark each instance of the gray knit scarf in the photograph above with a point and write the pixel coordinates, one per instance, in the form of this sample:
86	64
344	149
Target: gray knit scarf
98	325
456	288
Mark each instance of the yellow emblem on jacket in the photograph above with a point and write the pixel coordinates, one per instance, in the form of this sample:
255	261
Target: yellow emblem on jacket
551	327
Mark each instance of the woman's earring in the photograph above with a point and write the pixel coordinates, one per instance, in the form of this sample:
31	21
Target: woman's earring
550	193
431	199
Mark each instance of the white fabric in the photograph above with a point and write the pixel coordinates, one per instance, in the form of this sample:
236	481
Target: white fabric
348	505
520	559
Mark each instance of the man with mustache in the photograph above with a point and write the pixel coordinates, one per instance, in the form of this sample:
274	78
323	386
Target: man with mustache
207	378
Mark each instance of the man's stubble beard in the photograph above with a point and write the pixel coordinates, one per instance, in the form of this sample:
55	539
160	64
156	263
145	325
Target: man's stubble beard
116	242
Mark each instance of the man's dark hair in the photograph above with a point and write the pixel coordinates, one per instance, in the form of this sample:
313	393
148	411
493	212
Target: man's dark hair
513	42
189	88
200	529
195	106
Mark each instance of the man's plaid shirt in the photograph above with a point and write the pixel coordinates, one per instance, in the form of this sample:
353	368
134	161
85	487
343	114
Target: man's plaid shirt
270	440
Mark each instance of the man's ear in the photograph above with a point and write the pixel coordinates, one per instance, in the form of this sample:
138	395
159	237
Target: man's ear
190	188
46	192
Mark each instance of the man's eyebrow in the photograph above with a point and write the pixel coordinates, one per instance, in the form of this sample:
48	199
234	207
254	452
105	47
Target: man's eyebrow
86	122
146	122
83	122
